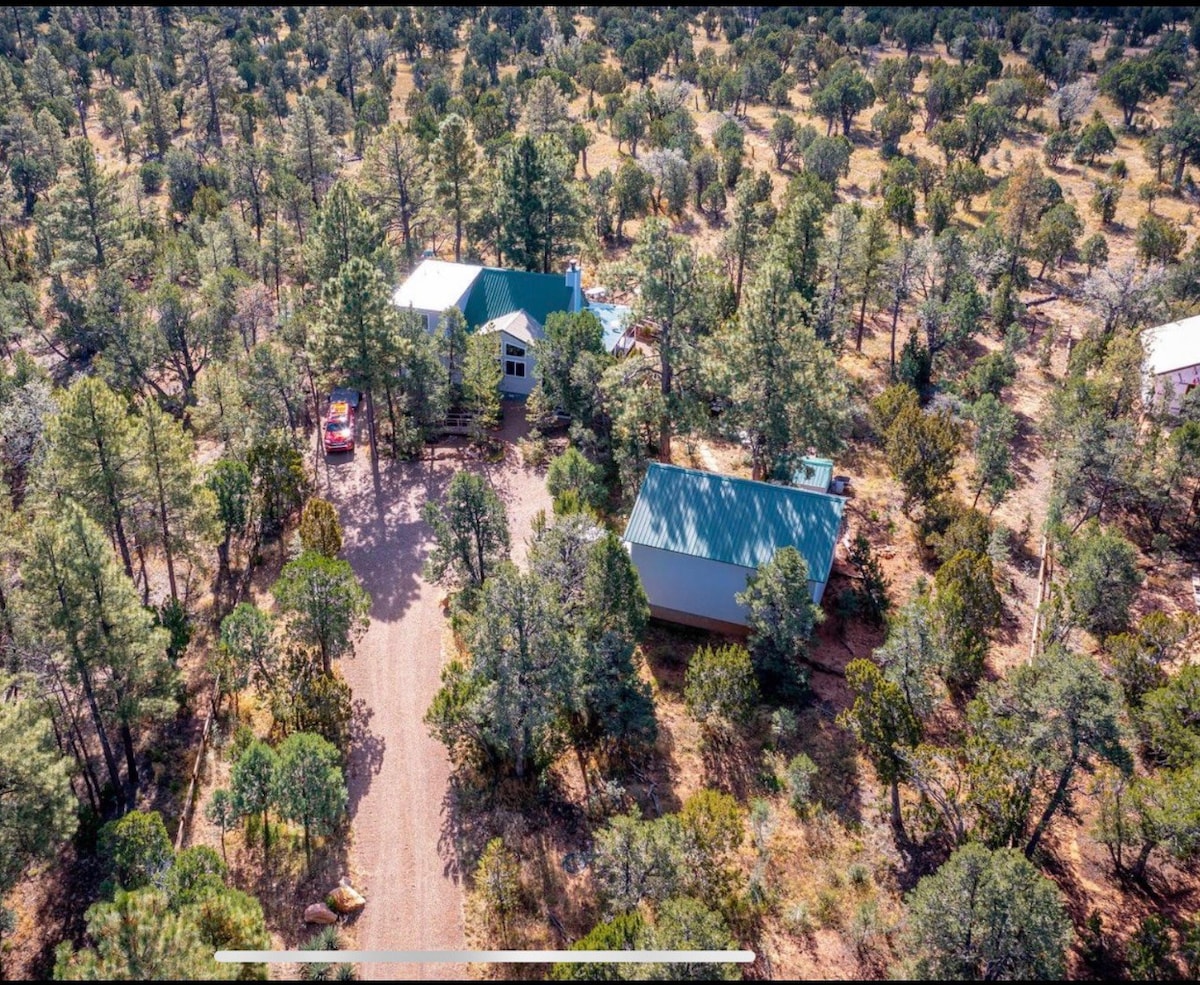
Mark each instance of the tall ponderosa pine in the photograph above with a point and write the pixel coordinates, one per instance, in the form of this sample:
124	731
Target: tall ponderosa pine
398	187
538	207
310	148
344	230
453	156
89	612
85	212
669	273
346	60
768	356
38	807
156	125
359	335
208	71
95	458
181	508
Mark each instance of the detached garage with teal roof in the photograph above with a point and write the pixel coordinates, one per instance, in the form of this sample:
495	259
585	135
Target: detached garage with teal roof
695	537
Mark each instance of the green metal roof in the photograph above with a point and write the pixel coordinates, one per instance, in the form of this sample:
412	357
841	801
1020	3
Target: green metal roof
734	521
814	472
497	292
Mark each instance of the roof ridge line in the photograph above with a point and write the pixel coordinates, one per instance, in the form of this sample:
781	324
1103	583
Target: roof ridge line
742	478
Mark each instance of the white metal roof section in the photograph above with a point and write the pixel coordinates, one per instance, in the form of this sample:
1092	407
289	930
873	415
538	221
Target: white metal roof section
436	285
519	324
1173	346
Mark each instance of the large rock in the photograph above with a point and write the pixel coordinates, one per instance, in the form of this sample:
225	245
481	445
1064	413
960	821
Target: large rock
345	899
319	913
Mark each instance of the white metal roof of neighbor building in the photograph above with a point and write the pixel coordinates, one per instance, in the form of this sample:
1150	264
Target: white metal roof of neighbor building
519	324
1175	345
436	285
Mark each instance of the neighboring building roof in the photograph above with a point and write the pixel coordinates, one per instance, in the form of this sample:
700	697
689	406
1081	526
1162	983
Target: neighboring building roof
614	319
814	473
734	521
1175	345
519	324
436	285
498	292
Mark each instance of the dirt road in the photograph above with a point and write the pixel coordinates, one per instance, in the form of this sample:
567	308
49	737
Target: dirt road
403	851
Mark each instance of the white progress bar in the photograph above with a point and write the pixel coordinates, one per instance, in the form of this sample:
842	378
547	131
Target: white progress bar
494	957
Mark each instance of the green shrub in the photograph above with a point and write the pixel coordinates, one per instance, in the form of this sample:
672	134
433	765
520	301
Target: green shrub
800	774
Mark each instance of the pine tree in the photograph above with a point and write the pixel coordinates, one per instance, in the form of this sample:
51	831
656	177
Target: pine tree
309	787
253	781
346	58
884	723
767	357
115	122
38	808
470	529
310	148
539	211
481	378
359	332
95	458
182	508
89	612
325	605
453	157
782	617
344	229
208	71
156	128
231	485
398	187
85	212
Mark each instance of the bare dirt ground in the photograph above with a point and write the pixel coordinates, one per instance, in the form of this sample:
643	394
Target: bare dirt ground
403	855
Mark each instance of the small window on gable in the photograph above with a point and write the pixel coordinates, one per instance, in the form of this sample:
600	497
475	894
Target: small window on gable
514	368
513	350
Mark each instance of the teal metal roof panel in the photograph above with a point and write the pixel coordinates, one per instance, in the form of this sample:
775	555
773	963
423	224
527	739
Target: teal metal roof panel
732	520
814	472
497	292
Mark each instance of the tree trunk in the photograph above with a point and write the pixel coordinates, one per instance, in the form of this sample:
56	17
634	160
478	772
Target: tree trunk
162	516
897	817
110	760
664	432
371	427
131	770
895	323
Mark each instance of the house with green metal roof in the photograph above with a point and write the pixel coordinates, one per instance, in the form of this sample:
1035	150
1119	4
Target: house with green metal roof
494	300
695	537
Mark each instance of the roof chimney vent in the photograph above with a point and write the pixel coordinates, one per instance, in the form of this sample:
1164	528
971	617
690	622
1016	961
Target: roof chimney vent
575	283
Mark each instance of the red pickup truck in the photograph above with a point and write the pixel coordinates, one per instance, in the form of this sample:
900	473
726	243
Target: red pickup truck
339	420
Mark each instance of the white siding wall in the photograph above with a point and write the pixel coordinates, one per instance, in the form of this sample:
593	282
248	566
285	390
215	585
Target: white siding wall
696	585
691	584
515	383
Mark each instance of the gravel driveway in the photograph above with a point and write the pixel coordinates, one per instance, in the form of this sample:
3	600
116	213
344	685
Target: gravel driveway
403	849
